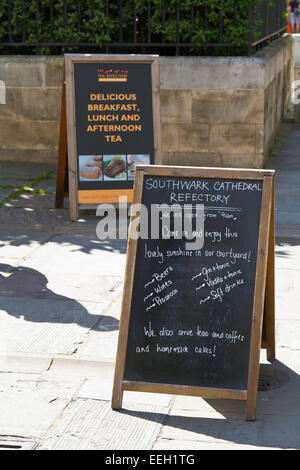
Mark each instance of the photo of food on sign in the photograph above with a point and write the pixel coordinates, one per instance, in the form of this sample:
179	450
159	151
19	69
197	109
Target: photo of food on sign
110	167
90	167
114	167
133	161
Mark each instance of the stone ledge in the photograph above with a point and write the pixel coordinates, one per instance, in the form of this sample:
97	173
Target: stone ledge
30	155
230	73
31	103
37	135
31	71
205	159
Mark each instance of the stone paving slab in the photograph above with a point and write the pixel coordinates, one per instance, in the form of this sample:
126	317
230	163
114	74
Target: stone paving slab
210	427
286	217
76	366
5	192
101	345
46	326
285	280
29	404
21	244
10	169
288	231
103	340
7	266
180	444
287	255
203	429
288	332
26	282
283	400
32	201
70	252
93	425
288	311
39	218
15	444
101	389
24	363
88	287
14	182
290	205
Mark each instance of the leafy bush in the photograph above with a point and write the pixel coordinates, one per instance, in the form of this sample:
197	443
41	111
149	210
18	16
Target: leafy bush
201	22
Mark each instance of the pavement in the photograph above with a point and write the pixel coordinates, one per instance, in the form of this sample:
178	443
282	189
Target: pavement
60	295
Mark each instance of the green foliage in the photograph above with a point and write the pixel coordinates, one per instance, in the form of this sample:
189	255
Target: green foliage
48	174
272	151
91	25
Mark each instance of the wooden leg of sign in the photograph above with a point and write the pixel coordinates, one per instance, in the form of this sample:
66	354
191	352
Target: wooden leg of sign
270	290
117	397
259	298
71	140
62	149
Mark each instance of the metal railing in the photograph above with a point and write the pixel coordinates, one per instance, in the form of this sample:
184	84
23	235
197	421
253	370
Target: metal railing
109	26
273	21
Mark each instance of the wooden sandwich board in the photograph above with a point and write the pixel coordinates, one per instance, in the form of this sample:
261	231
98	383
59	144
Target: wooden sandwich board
109	124
191	321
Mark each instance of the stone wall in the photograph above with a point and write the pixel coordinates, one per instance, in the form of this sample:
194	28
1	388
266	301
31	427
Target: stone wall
279	76
224	111
297	78
29	121
214	111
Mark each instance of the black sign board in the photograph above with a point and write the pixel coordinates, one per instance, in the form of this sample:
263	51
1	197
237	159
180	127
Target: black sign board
192	316
112	124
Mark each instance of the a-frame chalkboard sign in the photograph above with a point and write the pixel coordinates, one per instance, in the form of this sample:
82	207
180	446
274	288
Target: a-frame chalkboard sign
192	320
109	124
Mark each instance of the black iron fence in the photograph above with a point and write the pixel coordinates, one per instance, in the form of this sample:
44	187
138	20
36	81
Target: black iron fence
271	19
166	27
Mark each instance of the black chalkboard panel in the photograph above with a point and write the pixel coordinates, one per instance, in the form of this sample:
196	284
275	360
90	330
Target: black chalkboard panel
114	118
111	111
191	312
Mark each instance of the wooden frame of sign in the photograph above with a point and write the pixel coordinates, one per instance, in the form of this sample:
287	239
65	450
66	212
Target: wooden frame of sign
67	152
263	302
62	163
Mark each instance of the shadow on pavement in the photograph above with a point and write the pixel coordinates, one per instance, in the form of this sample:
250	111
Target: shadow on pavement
276	425
29	285
282	243
85	243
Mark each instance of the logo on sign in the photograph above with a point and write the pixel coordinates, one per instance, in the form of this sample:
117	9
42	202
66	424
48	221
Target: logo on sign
116	74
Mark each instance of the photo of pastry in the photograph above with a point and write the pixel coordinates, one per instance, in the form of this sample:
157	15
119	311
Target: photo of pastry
114	167
96	160
90	167
133	160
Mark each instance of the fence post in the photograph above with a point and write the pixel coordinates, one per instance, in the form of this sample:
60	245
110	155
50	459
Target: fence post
250	34
177	27
37	28
9	21
107	25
